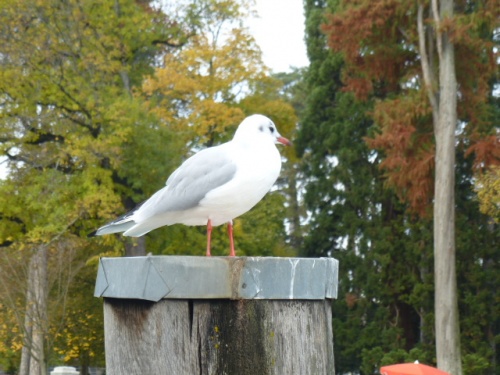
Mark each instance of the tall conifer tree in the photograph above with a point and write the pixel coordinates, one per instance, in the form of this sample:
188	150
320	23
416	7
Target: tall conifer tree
353	218
402	54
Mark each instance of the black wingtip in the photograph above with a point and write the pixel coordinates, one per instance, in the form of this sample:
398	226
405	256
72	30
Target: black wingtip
92	234
121	218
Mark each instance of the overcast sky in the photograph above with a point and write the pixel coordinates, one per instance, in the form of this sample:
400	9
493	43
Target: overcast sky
279	31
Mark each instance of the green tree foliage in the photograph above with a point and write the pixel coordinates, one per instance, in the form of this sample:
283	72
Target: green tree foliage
86	137
78	339
67	111
488	189
361	214
202	91
69	129
353	218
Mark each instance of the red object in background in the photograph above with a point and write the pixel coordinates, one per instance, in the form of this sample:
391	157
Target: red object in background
411	369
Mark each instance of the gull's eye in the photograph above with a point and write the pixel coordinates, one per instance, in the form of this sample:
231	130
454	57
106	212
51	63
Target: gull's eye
271	129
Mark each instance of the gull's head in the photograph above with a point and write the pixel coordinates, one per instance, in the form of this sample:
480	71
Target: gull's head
259	127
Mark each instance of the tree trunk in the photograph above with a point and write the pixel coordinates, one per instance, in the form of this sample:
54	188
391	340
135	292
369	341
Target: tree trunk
296	236
135	246
443	99
33	361
446	305
24	367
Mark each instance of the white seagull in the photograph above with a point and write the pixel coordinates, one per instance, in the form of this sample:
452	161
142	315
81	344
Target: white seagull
214	186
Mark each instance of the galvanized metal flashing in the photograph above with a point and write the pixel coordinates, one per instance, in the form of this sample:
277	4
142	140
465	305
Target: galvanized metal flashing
153	278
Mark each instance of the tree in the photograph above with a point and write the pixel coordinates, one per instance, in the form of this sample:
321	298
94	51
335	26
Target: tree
488	188
79	341
202	91
76	120
444	112
294	92
415	66
68	69
354	218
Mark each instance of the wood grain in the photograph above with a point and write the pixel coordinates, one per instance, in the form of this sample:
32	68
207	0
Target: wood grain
241	337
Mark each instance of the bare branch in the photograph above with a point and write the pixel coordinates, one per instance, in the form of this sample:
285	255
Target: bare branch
437	20
427	72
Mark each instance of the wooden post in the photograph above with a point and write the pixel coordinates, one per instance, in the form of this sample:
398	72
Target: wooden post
249	316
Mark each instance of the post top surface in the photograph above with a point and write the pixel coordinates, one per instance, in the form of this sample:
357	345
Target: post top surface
153	278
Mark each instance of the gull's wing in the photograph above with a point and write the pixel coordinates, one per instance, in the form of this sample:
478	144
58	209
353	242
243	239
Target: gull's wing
185	188
188	185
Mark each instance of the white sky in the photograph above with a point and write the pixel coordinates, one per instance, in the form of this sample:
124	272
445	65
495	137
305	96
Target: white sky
279	31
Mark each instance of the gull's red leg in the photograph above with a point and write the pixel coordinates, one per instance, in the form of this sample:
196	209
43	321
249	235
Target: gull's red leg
209	236
231	240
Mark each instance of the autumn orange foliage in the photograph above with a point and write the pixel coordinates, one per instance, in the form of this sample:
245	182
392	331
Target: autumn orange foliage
406	139
379	43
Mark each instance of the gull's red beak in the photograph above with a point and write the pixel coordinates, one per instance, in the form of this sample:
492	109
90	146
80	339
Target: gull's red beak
284	141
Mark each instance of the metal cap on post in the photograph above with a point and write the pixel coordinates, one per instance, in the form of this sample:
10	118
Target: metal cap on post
211	315
189	277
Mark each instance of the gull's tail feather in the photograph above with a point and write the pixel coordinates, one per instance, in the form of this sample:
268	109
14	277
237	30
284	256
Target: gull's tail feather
114	227
121	224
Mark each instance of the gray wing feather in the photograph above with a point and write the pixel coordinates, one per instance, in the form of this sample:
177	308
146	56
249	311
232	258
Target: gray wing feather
188	185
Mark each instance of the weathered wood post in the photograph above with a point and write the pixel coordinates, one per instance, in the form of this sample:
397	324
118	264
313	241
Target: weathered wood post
217	315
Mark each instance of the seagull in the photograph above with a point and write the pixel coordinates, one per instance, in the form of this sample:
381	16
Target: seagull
213	186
